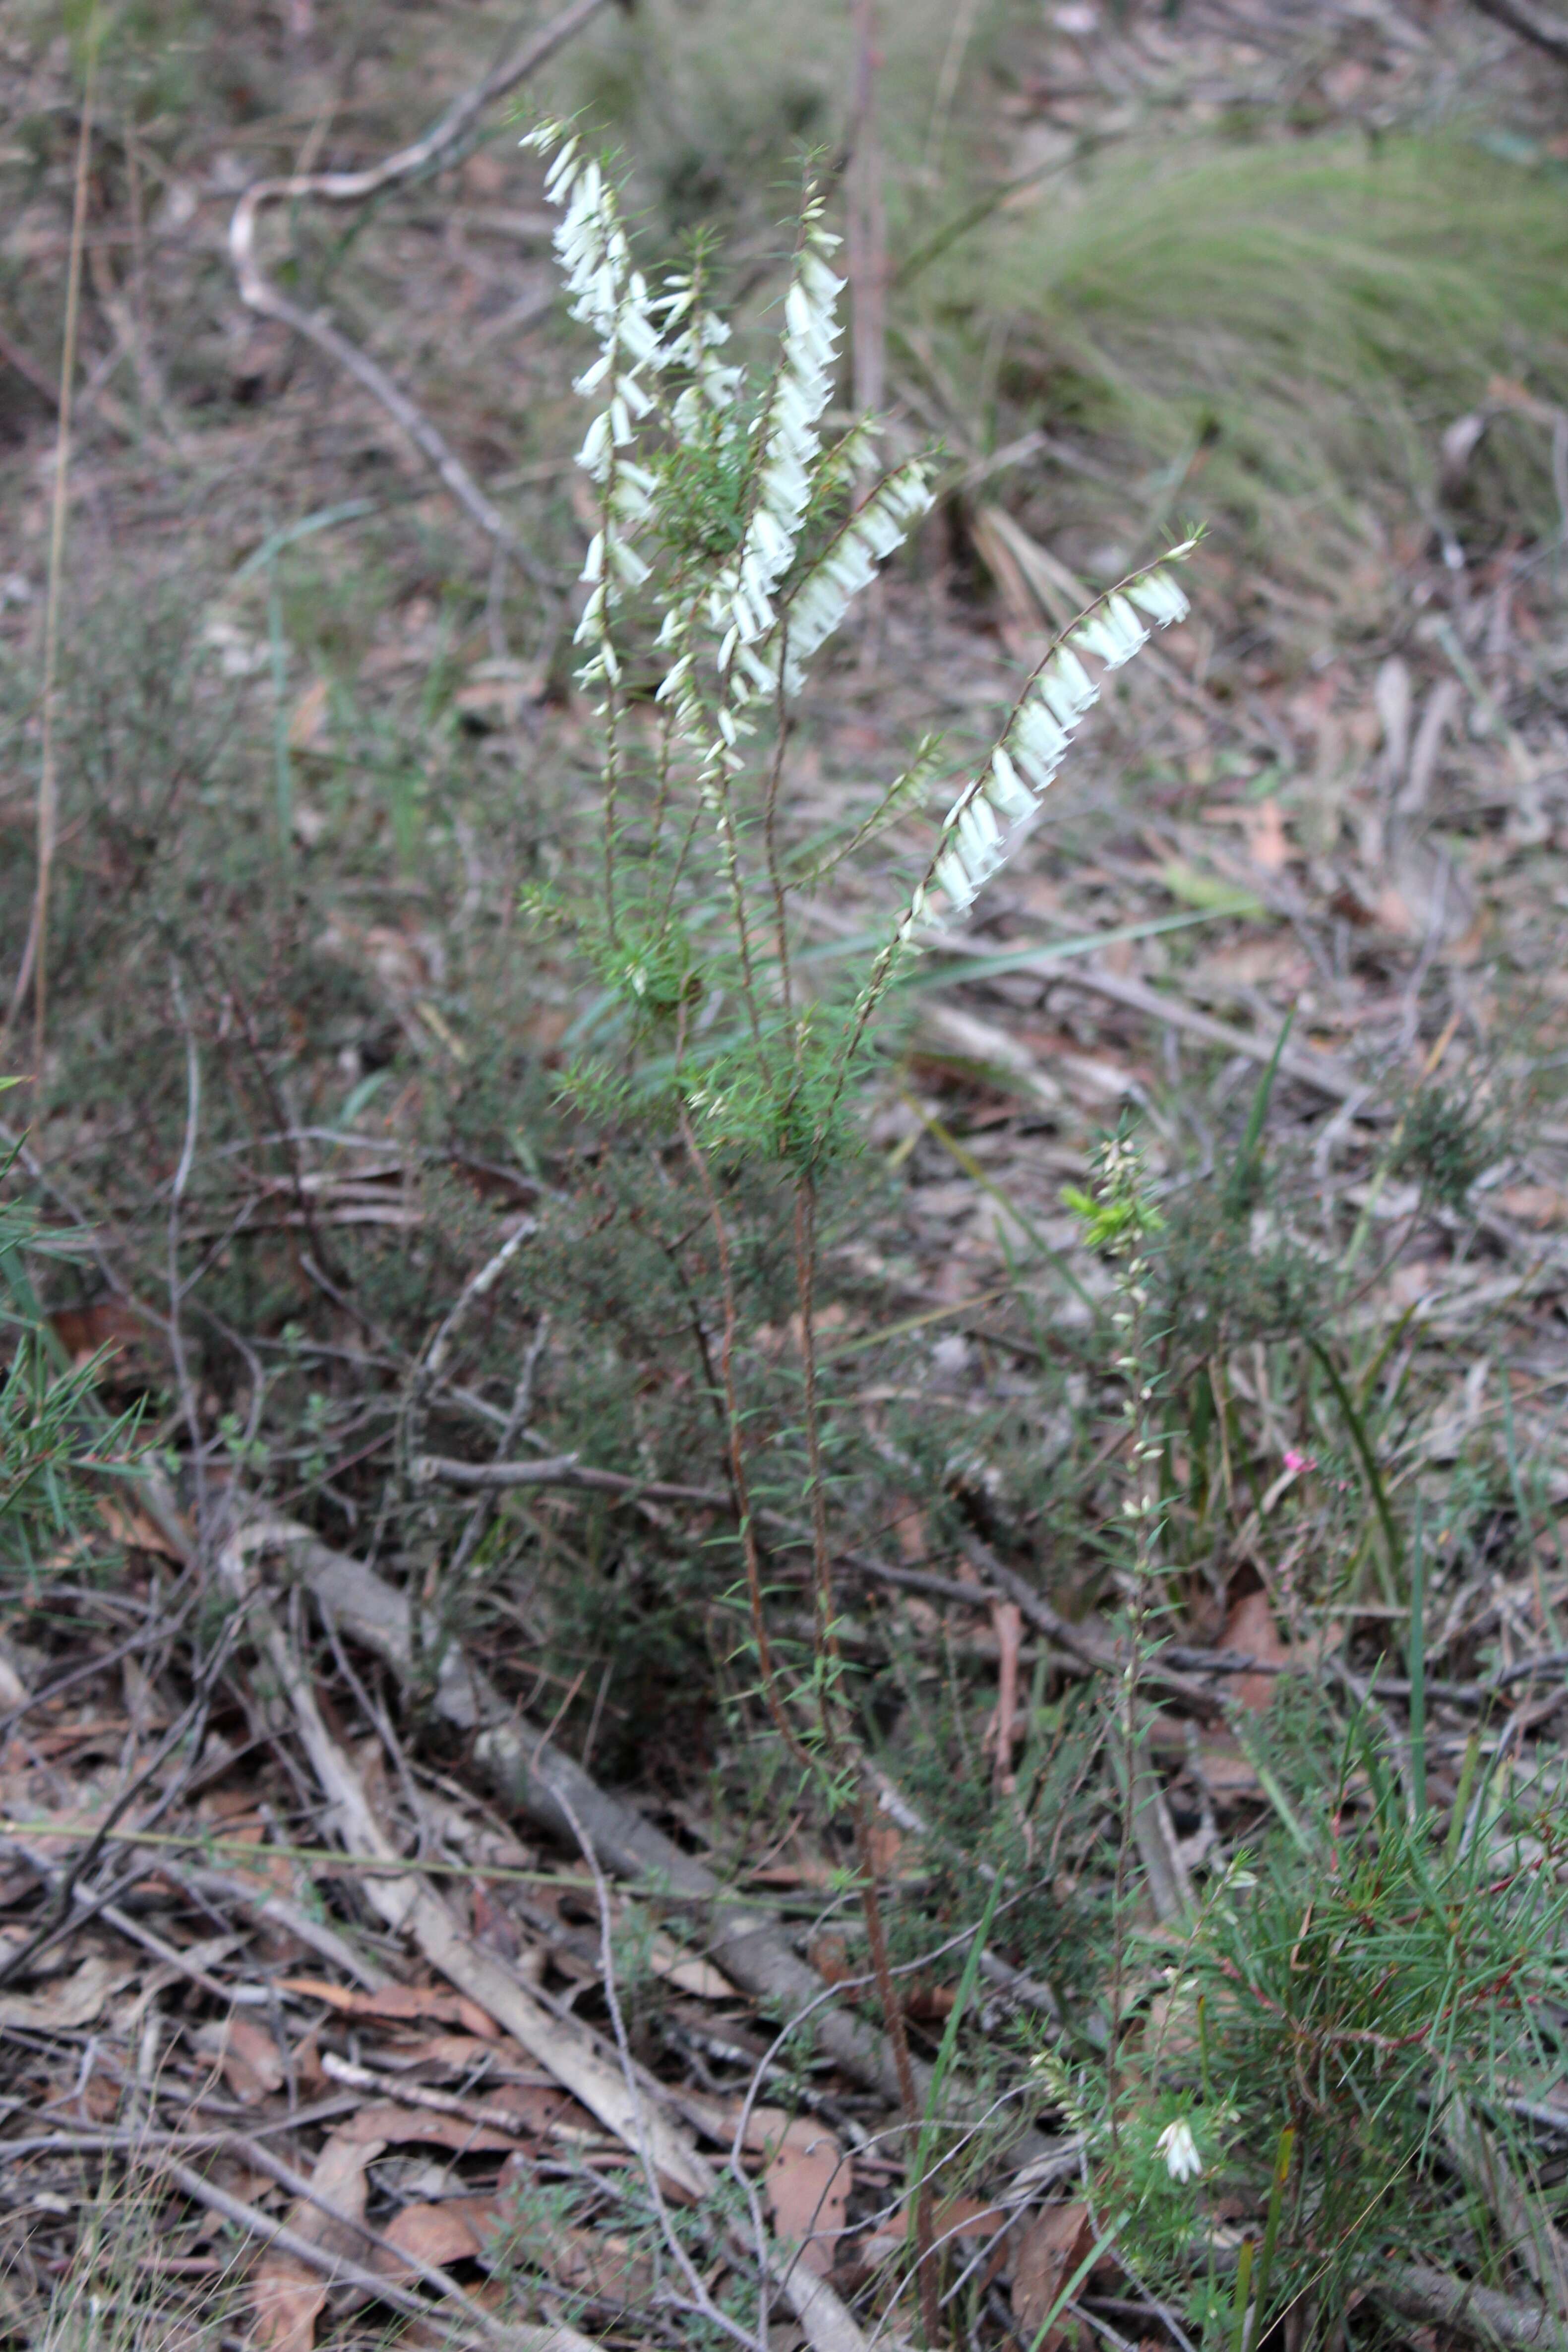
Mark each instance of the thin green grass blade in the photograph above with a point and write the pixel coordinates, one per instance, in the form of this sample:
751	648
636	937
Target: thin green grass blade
1417	1665
1247	1157
1243	2296
1106	2238
961	1999
1363	1446
977	1174
1462	1798
1282	2156
1051	950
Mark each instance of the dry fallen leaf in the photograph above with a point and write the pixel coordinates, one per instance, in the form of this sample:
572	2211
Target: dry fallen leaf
459	2053
691	1974
286	2297
398	2001
109	1323
1534	1204
307	720
1250	1629
1262	825
1050	2248
132	1527
437	2233
806	2178
69	2003
248	2055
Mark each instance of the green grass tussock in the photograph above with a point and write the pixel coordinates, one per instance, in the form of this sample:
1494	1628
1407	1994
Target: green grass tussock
1286	331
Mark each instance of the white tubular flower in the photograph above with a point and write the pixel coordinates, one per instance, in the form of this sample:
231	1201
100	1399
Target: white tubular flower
1180	2150
790	439
848	565
596	457
991	815
1113	635
608	295
714	385
631	497
591	628
1008	792
1158	595
1067	686
626	564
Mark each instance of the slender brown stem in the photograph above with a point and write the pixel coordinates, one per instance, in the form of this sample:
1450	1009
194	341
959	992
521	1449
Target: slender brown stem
731	854
749	1551
35	955
806	1287
837	1745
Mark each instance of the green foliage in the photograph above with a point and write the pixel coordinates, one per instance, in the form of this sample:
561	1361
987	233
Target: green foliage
705	480
52	1428
1368	1977
1228	1274
1444	1141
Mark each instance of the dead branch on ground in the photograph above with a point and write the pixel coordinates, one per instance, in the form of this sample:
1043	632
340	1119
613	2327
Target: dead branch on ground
439	144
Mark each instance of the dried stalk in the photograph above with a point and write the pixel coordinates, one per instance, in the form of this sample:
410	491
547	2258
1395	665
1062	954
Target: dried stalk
35	954
868	241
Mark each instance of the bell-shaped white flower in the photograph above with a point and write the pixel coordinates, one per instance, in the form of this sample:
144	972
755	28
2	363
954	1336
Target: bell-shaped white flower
1180	2150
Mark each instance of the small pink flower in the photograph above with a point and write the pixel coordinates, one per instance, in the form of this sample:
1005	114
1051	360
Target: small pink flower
1294	1460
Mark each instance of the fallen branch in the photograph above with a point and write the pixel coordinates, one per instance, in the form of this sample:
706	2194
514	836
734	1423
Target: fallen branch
258	293
1092	1649
528	1773
1524	21
494	2116
1417	2292
560	2044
